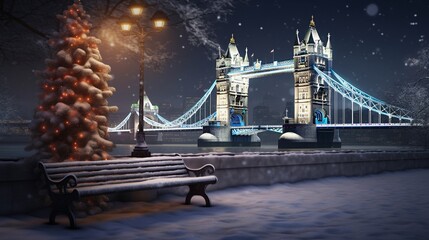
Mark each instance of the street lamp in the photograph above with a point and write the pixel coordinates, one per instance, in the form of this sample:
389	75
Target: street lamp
136	9
159	20
126	23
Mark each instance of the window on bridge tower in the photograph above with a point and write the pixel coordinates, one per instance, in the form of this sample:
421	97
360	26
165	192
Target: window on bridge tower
237	99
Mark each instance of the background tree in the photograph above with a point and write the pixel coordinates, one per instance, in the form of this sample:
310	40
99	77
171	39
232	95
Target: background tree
414	96
7	106
71	121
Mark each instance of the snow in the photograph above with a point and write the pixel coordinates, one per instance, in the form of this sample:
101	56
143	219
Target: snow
61	109
291	136
385	206
208	137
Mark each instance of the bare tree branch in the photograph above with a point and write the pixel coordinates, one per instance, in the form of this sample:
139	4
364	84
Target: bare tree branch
36	18
27	26
415	95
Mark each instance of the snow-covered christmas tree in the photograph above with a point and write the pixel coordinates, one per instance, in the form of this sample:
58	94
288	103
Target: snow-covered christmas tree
71	121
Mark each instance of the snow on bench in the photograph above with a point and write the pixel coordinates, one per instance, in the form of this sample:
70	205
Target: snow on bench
69	181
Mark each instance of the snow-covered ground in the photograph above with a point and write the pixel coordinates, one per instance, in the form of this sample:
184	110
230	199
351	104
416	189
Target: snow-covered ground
385	206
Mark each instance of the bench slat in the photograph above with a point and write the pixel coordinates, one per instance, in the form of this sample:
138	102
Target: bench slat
104	162
90	167
141	175
131	180
114	171
150	184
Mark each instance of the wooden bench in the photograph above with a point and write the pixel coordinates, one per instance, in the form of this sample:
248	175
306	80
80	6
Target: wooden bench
69	181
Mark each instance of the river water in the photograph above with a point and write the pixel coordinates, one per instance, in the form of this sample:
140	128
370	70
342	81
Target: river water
17	150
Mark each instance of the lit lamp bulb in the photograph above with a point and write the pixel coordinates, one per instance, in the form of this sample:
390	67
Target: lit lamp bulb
159	19
159	23
126	27
125	22
136	9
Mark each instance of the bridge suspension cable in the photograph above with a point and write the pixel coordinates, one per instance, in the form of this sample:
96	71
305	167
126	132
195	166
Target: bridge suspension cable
357	96
181	121
122	126
184	121
187	115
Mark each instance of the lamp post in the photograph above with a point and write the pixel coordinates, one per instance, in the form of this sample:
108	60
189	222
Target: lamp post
159	20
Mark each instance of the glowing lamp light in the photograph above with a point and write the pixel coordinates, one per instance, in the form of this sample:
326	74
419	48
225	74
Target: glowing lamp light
159	19
125	26
136	9
159	23
125	22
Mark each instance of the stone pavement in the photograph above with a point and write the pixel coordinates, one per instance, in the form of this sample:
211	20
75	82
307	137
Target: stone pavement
384	206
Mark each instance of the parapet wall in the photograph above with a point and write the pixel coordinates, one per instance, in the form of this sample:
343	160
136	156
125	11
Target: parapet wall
20	184
280	167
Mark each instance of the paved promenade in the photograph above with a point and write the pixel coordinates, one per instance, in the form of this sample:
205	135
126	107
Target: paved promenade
384	206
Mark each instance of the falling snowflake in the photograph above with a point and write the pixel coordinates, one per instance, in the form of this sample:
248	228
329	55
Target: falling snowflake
372	9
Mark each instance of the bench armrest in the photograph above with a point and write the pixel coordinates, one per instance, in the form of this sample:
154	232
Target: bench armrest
69	180
205	170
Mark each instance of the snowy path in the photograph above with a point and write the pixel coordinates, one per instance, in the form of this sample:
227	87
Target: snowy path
386	206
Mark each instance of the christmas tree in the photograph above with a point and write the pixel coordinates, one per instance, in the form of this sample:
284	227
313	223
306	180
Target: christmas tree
71	121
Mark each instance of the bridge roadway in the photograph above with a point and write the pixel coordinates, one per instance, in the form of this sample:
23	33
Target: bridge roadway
260	70
252	129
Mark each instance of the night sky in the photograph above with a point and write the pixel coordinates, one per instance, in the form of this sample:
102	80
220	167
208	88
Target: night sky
371	42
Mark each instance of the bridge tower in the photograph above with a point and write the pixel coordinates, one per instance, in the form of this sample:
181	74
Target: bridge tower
312	96
231	92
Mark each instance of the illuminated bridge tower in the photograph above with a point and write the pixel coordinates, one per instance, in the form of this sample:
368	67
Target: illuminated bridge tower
312	105
312	95
231	92
231	102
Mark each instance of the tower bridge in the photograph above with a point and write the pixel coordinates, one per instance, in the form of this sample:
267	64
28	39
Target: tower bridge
320	96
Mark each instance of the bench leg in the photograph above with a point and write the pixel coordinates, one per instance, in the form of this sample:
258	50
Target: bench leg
63	204
68	211
72	219
52	216
197	190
